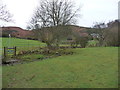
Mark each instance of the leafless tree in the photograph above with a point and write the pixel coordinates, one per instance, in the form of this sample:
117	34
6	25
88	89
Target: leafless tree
108	33
111	34
5	14
100	29
53	36
79	39
54	13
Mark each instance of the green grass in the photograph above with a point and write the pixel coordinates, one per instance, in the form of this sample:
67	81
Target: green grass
87	68
0	76
21	44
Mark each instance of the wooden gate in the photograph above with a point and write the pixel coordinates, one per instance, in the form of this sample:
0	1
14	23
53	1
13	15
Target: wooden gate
9	51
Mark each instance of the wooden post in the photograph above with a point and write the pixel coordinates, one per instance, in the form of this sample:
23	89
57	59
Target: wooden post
4	51
15	51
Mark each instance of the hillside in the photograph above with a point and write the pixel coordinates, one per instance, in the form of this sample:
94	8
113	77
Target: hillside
21	33
81	30
15	32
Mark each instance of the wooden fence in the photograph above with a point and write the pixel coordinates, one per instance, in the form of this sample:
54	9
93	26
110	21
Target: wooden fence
9	51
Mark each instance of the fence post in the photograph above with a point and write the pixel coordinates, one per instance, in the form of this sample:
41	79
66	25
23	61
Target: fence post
15	51
4	51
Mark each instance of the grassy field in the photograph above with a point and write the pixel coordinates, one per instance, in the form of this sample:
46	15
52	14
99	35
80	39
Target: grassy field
6	42
21	44
86	68
24	44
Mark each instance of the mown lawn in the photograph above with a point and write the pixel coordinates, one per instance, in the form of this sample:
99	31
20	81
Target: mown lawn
86	68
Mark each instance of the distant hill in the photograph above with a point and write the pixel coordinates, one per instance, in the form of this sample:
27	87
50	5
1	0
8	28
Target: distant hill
81	30
22	33
15	32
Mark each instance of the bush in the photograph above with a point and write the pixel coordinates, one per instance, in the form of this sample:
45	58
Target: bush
93	43
83	41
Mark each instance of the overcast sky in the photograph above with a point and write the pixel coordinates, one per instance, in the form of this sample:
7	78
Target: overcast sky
91	11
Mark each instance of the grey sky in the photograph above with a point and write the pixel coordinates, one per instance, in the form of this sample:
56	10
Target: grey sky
92	11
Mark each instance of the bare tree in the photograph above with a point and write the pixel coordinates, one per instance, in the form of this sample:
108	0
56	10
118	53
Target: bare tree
100	29
108	33
79	39
111	34
56	13
52	36
4	14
